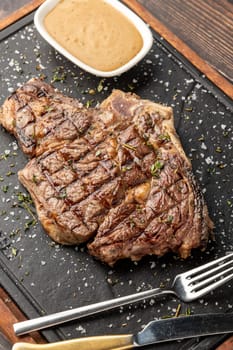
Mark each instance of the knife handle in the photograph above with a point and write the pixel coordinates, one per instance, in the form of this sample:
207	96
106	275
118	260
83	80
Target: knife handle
108	342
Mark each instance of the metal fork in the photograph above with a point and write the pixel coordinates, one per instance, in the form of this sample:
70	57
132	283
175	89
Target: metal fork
187	286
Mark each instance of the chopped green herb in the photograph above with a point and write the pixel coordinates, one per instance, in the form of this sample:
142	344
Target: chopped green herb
164	137
169	219
201	138
29	224
100	85
131	87
5	188
14	232
162	285
218	149
59	75
156	168
1	178
211	170
48	108
13	251
229	202
35	179
188	109
25	201
4	156
139	208
23	197
89	103
132	223
62	194
126	168
9	173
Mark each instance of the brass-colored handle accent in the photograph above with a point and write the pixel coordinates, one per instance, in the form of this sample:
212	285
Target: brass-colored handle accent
108	342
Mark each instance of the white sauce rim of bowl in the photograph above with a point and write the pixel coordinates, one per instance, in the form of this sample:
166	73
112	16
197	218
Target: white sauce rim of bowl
142	27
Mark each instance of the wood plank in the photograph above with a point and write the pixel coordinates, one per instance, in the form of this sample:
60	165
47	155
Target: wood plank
11	314
9	6
206	26
21	12
211	73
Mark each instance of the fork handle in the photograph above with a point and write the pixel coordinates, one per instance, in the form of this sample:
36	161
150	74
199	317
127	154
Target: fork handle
83	311
113	342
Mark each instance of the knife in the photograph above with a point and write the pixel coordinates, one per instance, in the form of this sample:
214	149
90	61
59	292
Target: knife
155	332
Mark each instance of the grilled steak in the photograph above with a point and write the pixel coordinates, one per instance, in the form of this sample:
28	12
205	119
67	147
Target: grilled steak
115	176
42	118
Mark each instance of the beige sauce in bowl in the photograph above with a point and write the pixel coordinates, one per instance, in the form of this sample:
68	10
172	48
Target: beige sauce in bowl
94	32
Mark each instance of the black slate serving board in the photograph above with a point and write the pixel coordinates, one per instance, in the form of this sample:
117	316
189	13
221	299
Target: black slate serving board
43	277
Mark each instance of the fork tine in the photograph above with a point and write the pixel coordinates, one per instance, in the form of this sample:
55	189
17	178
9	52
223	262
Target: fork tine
206	266
198	286
213	286
211	271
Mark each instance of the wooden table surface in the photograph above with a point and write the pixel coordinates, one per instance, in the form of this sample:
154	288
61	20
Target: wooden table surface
201	30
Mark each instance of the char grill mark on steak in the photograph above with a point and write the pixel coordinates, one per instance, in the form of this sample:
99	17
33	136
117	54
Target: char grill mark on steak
42	119
91	171
88	175
173	216
117	174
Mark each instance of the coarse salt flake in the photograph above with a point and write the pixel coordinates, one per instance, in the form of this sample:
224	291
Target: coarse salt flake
81	329
209	160
203	146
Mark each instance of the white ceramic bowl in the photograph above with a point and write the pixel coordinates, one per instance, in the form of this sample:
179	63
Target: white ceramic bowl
145	32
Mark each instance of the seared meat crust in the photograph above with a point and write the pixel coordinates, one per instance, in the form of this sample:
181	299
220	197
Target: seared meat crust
116	176
167	211
42	118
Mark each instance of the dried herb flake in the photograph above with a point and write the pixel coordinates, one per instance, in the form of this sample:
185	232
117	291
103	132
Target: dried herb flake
156	168
126	145
100	85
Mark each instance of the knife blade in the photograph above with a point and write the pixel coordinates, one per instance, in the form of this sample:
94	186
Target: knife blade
155	332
